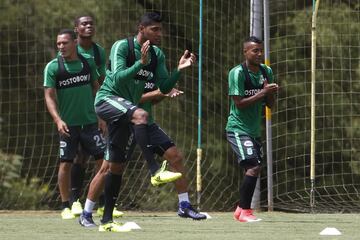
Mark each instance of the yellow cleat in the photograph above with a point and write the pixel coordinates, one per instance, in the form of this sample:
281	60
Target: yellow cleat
113	227
163	176
76	208
67	214
116	213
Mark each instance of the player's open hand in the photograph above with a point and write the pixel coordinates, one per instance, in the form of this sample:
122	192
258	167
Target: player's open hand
186	60
174	93
62	128
144	52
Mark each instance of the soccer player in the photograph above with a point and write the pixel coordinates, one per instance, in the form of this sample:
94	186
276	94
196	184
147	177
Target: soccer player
117	99
84	26
250	87
152	97
70	83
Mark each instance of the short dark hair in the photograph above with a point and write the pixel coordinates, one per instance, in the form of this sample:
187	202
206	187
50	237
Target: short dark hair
253	39
149	18
68	31
77	19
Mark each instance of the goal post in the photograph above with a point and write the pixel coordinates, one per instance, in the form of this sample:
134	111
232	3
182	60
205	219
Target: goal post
316	4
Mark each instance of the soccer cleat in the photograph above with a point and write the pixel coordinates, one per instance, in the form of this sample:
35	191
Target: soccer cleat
86	220
76	208
187	211
247	216
163	176
237	213
113	227
116	213
67	214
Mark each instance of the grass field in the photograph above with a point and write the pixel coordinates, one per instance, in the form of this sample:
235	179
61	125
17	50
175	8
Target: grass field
167	226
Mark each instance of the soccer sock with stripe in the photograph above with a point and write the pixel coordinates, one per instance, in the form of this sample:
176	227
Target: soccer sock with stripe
142	138
112	189
247	189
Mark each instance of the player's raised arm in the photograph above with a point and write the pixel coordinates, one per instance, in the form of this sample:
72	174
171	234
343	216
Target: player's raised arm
186	60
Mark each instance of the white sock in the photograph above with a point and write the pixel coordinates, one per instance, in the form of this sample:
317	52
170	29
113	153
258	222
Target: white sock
183	197
89	206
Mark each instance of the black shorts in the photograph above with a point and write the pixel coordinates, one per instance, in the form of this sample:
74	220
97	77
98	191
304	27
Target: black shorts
159	140
121	142
117	113
90	138
248	150
114	108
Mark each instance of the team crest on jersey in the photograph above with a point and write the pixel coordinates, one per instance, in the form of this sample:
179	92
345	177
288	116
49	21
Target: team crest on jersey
262	79
248	143
62	144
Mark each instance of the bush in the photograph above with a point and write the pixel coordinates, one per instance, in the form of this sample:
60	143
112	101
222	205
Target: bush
17	192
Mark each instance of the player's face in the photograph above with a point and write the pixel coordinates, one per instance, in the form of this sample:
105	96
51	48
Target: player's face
66	45
254	53
85	27
152	33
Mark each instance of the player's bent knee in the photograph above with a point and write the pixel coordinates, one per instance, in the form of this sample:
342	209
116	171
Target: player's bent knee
140	116
176	162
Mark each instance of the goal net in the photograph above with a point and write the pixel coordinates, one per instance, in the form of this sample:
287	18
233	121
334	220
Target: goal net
337	108
29	140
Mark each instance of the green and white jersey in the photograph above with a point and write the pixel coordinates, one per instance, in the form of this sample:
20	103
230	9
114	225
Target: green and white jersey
73	83
99	55
123	81
246	121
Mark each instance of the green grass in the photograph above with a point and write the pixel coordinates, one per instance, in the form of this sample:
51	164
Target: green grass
167	226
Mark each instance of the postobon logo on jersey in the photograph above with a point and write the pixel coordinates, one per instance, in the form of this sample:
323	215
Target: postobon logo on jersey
73	80
145	73
252	92
149	85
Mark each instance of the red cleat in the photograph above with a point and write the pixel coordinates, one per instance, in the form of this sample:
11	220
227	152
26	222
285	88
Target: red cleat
237	213
246	215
